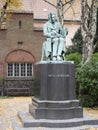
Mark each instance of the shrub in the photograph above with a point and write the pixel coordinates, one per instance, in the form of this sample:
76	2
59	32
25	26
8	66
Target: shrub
95	57
76	57
87	83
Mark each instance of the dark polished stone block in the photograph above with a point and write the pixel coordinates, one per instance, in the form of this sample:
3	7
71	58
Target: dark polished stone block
57	80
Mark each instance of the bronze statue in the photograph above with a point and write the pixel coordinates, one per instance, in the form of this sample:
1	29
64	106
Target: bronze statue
54	46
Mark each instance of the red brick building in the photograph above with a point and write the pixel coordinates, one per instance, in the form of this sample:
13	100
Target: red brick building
19	44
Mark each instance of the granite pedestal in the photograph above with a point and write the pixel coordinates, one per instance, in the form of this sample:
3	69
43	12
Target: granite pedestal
57	92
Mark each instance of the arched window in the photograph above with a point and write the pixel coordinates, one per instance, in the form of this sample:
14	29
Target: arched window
20	63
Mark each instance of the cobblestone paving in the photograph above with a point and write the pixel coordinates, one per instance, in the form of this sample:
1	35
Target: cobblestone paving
10	106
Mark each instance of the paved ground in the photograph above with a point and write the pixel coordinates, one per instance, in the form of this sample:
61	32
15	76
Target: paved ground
10	106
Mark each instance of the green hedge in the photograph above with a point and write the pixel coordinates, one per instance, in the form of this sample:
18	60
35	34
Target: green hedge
76	57
86	79
95	57
87	84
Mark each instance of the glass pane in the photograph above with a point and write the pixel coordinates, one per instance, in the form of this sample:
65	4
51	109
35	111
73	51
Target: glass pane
29	69
23	69
10	69
16	69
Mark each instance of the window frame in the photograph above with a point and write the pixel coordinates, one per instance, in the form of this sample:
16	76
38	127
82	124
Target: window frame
20	69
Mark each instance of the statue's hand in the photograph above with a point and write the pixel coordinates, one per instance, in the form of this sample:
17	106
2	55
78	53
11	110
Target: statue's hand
53	33
53	36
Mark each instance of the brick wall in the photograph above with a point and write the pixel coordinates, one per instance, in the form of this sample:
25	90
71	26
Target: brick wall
11	38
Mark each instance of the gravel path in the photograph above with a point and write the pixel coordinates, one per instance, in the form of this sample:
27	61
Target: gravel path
10	106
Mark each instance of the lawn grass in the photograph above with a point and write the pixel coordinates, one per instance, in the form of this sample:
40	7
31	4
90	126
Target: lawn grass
5	97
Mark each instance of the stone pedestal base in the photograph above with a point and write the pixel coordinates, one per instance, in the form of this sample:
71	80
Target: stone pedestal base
57	110
28	123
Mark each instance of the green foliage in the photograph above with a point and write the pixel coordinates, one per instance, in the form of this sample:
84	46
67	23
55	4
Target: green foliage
95	57
87	83
77	43
5	97
1	80
86	79
76	57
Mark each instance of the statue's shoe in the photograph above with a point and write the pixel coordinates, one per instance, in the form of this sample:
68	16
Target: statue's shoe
54	58
59	58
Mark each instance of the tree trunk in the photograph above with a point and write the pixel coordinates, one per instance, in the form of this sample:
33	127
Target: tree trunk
60	12
88	28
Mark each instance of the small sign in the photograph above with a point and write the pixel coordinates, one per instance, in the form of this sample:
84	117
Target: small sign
58	75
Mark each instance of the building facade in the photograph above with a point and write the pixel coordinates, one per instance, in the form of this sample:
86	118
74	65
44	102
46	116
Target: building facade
20	48
20	45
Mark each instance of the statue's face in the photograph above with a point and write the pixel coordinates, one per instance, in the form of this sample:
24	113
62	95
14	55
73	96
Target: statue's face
53	18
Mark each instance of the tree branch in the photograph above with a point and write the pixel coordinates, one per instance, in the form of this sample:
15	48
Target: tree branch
68	2
50	3
85	17
69	7
59	3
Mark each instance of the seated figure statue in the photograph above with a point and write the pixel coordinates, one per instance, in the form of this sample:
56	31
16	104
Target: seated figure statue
54	46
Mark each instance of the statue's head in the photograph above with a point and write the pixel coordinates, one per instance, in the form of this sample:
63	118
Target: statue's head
52	17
